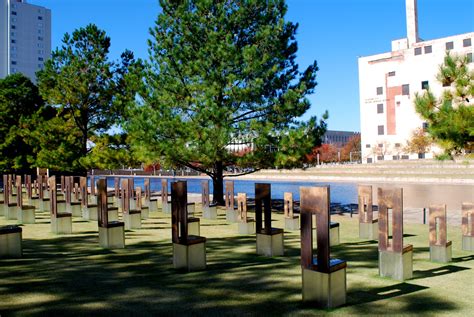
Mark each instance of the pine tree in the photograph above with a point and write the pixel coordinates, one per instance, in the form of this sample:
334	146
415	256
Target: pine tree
450	117
222	75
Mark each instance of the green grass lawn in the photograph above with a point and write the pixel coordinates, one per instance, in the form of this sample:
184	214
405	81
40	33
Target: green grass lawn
72	275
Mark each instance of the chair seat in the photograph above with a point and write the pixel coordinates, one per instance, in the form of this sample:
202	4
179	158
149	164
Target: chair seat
192	240
334	265
271	232
10	229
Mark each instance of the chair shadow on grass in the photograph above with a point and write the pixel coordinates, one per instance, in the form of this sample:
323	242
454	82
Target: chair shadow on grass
463	258
411	300
439	271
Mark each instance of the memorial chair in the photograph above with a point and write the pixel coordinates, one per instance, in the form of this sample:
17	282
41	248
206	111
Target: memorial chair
9	207
269	240
25	213
368	226
61	222
89	210
144	210
324	279
111	233
209	211
395	259
292	221
246	224
131	217
189	251
73	207
467	224
231	214
440	247
165	203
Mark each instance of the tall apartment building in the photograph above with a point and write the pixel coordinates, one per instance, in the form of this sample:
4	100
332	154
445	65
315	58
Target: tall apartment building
388	83
25	37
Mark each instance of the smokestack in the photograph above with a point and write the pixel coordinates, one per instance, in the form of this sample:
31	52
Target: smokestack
412	22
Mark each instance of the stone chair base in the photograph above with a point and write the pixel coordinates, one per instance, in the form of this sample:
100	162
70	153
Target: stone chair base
10	242
112	236
468	243
91	200
26	215
398	266
209	212
145	213
270	244
190	256
61	224
325	290
441	253
11	212
44	205
90	213
166	208
293	223
132	219
247	227
369	230
75	209
152	205
232	215
194	226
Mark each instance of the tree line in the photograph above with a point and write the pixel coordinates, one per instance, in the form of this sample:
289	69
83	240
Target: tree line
218	73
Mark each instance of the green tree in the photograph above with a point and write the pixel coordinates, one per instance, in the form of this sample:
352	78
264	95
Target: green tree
110	152
19	100
451	116
223	74
88	88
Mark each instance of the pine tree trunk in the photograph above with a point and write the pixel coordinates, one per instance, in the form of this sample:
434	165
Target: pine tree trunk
218	184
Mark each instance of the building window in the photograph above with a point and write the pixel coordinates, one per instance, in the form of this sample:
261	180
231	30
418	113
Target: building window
425	85
405	157
418	51
40	45
469	57
40	59
13	48
40	25
13	12
40	18
397	145
395	157
40	31
13	41
380	108
12	34
369	160
13	62
391	74
466	42
13	70
40	66
406	90
13	27
449	45
367	146
13	55
380	130
40	38
380	158
425	126
428	49
380	145
379	90
13	20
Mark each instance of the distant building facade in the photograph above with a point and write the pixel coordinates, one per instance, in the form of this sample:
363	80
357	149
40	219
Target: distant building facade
388	83
25	38
338	138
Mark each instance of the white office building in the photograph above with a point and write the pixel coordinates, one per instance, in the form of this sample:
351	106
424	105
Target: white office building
388	83
25	38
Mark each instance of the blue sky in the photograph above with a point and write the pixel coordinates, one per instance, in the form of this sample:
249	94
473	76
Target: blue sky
333	32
